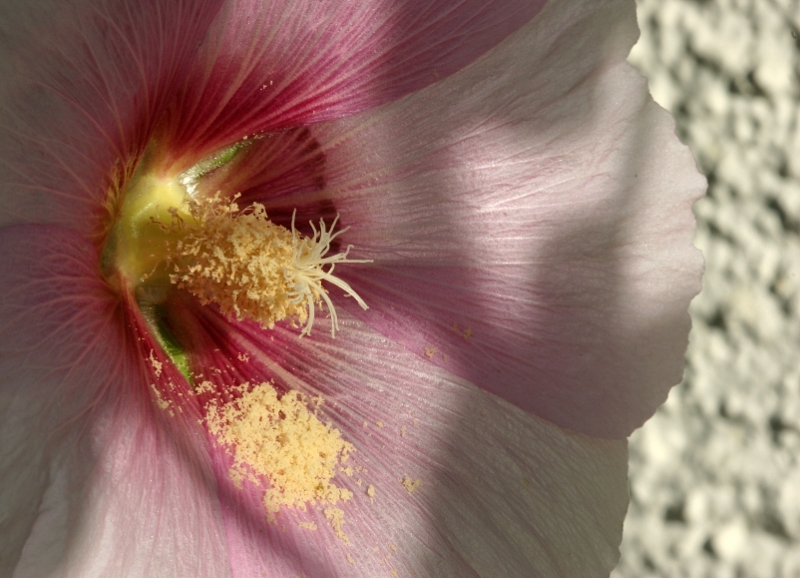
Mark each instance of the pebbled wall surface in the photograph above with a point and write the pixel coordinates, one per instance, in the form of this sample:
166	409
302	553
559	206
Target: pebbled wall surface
715	475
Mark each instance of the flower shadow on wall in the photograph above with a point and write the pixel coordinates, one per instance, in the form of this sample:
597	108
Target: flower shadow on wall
529	224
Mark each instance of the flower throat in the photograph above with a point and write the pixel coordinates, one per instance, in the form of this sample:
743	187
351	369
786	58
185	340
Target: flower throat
166	238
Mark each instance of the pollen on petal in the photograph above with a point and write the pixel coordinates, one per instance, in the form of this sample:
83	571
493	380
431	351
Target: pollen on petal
410	484
280	439
254	269
335	517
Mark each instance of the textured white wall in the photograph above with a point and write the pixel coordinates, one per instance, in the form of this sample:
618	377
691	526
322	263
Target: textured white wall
715	476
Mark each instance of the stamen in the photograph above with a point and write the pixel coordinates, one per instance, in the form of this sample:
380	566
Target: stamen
254	269
310	259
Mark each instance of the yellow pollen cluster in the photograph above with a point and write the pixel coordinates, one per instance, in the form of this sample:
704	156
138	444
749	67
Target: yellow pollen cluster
255	269
280	439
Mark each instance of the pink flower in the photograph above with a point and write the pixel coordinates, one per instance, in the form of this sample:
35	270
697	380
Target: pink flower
526	209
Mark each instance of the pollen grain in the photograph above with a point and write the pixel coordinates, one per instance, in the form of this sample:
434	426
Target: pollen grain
280	439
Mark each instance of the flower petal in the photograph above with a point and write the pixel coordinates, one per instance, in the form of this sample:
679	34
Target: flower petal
84	83
146	511
447	480
40	349
530	222
93	480
285	63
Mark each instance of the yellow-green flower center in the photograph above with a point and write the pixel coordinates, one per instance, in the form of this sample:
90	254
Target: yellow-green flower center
144	229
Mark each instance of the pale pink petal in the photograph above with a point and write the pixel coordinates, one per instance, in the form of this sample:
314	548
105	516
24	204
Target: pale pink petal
48	370
284	63
530	222
84	84
146	509
501	493
95	480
